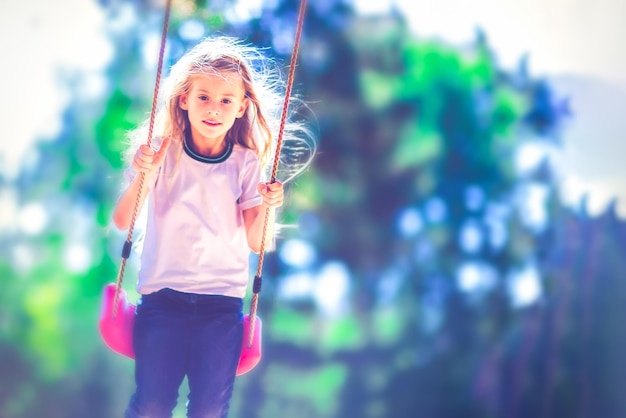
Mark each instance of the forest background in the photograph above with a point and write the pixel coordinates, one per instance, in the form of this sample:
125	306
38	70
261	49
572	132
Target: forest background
454	250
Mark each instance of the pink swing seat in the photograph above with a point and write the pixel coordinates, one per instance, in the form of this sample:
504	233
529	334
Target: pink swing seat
117	331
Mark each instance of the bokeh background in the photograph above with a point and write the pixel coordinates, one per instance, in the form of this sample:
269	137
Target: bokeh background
455	249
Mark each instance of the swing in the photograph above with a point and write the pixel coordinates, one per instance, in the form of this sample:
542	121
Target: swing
117	315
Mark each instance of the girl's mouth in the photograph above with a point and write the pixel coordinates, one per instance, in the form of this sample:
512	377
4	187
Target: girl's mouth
211	123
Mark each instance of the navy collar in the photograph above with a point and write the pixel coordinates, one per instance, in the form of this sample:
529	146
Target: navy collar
205	159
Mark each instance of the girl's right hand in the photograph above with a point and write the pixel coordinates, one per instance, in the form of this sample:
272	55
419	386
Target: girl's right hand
147	160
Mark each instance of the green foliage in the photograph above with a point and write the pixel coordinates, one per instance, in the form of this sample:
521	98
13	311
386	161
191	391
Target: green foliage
290	325
387	326
416	147
111	129
305	393
379	90
405	125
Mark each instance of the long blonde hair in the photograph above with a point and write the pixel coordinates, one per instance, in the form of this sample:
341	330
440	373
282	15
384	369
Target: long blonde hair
258	128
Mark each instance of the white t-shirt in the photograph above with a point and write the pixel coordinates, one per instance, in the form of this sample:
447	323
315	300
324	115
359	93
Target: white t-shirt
195	239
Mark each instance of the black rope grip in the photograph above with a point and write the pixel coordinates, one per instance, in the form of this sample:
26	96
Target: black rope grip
126	250
256	286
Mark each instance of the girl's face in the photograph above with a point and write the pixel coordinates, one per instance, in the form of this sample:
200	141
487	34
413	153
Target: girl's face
213	103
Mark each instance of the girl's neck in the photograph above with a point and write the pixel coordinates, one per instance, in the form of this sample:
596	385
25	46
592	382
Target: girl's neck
210	149
212	156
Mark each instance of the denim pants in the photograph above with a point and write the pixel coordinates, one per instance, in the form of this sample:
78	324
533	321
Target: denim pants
184	334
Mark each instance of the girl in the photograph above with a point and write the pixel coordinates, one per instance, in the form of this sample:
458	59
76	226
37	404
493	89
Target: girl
206	209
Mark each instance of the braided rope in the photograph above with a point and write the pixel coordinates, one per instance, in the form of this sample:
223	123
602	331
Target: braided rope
292	68
129	238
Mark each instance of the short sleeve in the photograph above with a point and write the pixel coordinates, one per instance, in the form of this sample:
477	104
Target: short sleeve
250	178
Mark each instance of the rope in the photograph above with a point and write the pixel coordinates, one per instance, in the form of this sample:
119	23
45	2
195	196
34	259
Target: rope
292	68
129	238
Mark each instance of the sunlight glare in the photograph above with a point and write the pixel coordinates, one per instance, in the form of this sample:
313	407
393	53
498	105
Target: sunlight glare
524	287
33	218
332	289
297	253
77	258
410	222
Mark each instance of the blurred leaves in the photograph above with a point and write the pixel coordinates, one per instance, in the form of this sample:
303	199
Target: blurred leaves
414	200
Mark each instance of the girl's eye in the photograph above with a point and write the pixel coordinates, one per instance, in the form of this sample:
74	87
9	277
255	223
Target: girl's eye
226	101
203	98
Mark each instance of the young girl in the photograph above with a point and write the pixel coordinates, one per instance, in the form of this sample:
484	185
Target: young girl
206	210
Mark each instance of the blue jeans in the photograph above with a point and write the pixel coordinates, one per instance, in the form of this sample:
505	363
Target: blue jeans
184	334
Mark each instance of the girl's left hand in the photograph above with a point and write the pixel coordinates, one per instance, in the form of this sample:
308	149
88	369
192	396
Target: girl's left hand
273	194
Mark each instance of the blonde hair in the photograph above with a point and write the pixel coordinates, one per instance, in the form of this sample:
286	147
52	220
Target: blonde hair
258	128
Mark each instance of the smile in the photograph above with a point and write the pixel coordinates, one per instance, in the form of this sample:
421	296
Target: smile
211	122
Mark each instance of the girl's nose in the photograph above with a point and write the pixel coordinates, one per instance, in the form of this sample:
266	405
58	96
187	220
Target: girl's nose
212	109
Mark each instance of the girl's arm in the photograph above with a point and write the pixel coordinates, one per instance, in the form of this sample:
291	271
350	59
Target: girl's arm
146	161
125	206
254	218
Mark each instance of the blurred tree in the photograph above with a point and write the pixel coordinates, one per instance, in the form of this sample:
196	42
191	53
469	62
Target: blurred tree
441	280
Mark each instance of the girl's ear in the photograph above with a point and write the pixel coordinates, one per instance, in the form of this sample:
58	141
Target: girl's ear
243	107
182	102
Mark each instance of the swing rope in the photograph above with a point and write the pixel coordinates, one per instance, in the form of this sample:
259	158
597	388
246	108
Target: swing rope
256	288
129	239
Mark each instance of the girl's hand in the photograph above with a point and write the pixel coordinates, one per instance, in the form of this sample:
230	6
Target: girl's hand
273	194
147	160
